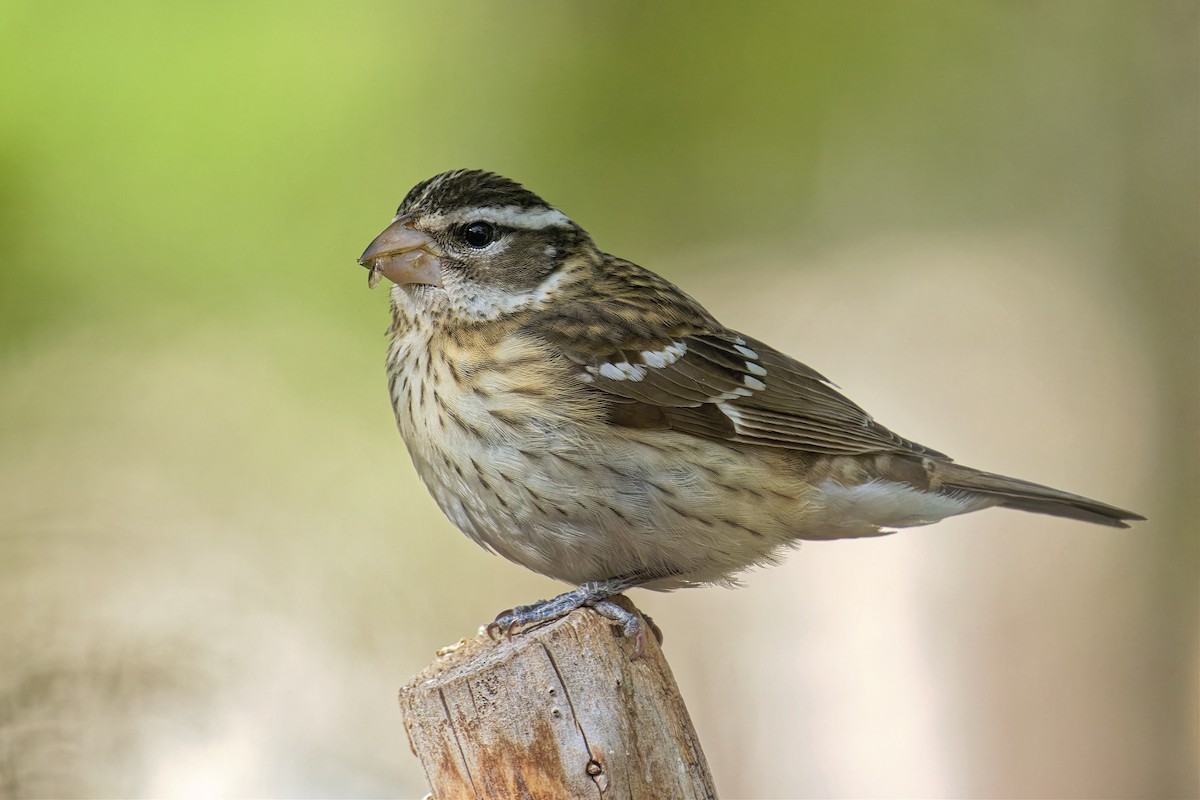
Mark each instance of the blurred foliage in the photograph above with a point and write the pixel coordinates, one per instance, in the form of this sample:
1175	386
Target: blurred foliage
207	159
191	394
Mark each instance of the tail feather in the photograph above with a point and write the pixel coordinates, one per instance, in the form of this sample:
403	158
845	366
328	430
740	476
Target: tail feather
1027	496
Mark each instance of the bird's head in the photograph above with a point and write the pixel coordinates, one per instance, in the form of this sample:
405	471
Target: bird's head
474	243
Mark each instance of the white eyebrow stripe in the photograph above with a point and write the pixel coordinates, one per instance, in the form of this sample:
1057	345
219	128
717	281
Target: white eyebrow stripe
509	216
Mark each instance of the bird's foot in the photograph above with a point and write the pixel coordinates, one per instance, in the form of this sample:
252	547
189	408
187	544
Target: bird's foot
596	595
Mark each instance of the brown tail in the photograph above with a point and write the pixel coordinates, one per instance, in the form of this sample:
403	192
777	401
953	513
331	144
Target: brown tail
1026	496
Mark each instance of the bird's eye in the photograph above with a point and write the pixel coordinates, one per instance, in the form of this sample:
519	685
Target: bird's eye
479	234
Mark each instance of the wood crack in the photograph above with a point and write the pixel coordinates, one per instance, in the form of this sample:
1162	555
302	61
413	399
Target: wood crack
570	703
487	722
461	753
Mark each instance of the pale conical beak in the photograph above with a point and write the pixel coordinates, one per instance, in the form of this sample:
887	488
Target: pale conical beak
403	255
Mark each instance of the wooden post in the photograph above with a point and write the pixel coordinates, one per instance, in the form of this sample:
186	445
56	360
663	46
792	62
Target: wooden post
558	711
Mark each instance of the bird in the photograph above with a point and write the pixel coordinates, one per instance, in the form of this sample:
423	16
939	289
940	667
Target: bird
585	418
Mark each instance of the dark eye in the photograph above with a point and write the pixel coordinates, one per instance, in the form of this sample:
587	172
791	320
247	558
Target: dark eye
479	234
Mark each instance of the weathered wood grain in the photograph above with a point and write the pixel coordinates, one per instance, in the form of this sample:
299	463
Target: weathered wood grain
560	711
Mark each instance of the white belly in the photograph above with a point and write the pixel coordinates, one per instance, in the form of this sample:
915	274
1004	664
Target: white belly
581	502
540	477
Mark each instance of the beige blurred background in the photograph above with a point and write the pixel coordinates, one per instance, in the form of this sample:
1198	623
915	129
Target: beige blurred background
980	218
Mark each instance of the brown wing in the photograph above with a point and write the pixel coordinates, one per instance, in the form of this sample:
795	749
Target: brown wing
656	347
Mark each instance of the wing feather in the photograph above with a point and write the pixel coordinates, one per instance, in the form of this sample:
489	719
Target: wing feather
659	347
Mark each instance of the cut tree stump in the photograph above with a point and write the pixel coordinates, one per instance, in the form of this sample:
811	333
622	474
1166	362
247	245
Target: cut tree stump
558	711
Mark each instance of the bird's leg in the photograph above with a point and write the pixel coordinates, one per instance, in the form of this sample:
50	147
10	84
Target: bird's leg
593	594
633	624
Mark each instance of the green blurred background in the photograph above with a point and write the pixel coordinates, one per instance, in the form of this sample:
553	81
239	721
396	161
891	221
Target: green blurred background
980	218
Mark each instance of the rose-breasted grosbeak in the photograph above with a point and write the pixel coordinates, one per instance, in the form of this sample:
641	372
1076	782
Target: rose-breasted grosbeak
585	418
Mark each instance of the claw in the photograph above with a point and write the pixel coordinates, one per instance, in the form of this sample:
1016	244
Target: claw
657	631
597	596
632	624
639	643
504	625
